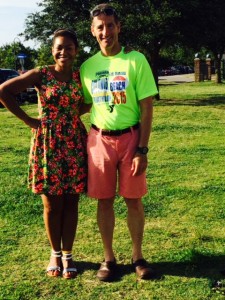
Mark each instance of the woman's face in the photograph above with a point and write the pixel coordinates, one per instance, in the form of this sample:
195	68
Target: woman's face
64	51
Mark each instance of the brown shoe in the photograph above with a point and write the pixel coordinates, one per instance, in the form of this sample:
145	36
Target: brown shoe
107	271
142	269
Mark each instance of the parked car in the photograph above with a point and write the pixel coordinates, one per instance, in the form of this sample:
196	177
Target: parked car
29	94
6	74
175	70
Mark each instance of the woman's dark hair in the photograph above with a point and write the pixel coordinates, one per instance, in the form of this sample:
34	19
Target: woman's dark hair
67	33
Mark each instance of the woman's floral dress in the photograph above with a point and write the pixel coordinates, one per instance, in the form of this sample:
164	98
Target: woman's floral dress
57	163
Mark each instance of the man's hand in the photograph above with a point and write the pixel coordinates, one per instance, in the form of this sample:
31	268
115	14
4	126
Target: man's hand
128	49
139	164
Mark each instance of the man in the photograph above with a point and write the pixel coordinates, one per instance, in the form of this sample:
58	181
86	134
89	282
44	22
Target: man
120	88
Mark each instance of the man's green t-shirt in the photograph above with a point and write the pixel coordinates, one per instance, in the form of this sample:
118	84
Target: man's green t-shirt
114	85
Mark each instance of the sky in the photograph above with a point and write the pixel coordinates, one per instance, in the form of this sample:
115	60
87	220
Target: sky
12	20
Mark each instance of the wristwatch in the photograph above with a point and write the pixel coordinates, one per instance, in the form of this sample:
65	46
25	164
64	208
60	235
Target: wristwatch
142	150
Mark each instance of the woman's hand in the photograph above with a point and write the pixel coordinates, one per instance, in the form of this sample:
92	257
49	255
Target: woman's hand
32	122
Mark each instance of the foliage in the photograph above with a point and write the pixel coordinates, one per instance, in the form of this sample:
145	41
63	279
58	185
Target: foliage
58	14
208	27
185	211
176	54
153	27
7	57
9	52
146	25
160	29
44	55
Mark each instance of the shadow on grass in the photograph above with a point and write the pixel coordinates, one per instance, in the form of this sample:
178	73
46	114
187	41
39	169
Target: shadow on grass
165	82
122	269
216	100
83	266
199	266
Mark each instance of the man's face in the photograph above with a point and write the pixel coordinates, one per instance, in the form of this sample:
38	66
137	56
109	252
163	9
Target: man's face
106	31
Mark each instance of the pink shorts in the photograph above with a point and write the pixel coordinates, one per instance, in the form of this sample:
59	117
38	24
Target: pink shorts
109	162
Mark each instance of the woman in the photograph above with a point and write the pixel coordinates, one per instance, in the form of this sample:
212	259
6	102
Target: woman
57	163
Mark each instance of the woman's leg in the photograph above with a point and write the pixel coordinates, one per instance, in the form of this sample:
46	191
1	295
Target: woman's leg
53	213
69	226
69	221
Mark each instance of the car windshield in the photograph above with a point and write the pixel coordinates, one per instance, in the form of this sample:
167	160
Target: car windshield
7	74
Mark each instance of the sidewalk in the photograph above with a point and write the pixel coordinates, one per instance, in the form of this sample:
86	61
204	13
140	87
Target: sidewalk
181	78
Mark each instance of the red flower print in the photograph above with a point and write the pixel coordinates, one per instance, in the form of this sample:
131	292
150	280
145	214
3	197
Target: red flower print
58	151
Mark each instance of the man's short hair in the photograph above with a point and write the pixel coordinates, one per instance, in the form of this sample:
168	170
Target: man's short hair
104	8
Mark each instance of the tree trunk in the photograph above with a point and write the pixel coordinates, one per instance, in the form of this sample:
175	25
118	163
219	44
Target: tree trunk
154	57
218	78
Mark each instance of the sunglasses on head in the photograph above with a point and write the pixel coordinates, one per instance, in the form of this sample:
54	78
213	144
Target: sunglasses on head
107	11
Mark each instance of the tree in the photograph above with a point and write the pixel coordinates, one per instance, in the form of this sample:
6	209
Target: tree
7	57
177	54
206	30
57	14
9	53
149	26
213	24
146	25
44	55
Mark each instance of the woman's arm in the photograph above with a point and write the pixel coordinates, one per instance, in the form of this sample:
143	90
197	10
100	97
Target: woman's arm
84	108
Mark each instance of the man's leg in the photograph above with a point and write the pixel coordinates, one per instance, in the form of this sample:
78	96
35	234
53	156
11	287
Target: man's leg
106	223
135	222
102	181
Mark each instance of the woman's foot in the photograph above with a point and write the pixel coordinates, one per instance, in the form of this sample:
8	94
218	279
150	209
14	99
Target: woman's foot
69	269
54	267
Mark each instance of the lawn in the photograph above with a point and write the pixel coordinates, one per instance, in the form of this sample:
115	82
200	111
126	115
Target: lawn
185	210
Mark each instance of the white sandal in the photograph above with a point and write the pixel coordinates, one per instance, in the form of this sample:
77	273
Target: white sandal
54	271
69	273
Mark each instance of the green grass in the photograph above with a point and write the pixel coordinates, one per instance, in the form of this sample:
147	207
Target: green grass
185	210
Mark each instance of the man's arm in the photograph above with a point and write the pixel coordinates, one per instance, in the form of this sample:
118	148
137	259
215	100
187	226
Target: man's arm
146	106
140	161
